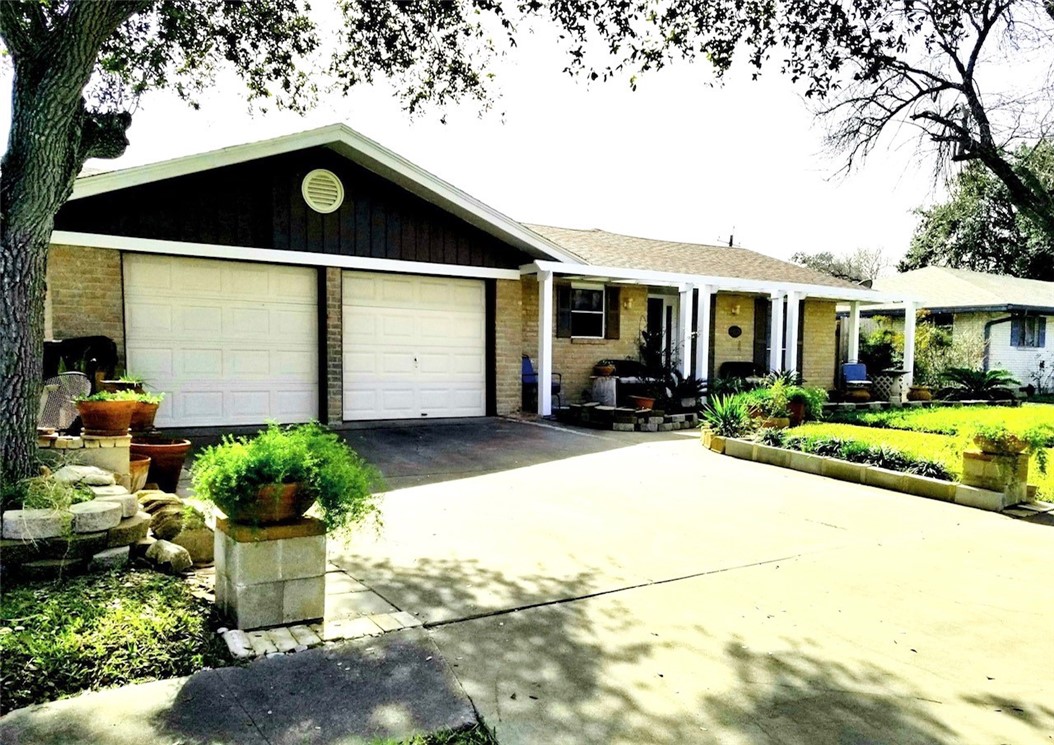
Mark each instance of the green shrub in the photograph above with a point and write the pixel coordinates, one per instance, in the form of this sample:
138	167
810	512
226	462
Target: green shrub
727	416
858	451
813	398
772	437
231	474
770	401
976	384
100	631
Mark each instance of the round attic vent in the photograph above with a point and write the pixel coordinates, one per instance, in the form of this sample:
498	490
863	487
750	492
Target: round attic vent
322	191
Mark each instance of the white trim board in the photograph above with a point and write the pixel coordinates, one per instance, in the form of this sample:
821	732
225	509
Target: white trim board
361	150
725	284
275	256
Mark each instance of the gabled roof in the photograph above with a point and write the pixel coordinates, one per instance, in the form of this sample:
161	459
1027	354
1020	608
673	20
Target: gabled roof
944	289
357	148
600	247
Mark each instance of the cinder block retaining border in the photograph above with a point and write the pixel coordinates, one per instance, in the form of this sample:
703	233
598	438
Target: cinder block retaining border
858	473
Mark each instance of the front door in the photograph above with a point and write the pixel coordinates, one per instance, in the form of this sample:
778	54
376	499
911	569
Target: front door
660	332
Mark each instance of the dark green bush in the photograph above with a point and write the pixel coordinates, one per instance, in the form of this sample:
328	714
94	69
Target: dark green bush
882	456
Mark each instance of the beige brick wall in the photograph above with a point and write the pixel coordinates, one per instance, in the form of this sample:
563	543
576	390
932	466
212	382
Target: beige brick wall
819	343
733	310
574	358
334	331
85	294
508	344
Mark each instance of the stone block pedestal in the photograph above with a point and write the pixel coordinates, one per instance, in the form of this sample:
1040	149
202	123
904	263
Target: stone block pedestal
271	575
1001	473
108	453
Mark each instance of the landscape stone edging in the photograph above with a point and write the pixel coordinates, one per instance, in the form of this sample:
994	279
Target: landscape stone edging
859	473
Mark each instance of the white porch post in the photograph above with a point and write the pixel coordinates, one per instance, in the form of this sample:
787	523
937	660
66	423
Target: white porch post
909	345
545	343
854	331
702	343
790	359
685	320
776	333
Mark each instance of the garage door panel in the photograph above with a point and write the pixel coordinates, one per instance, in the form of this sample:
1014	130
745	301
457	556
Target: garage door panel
231	343
413	346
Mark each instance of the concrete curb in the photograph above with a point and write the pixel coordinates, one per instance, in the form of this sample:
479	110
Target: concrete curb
858	473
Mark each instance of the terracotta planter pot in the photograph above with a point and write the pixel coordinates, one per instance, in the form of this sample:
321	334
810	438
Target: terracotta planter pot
276	503
797	412
113	386
604	371
106	418
643	402
139	468
920	393
166	458
858	395
143	416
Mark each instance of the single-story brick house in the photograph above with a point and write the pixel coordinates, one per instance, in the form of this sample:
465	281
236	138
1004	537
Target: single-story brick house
320	275
1008	314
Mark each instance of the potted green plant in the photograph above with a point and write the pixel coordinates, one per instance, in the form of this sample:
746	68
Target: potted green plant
281	472
145	411
769	405
1010	451
107	414
804	403
124	382
166	455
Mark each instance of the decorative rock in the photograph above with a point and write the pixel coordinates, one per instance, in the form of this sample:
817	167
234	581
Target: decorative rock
34	525
140	547
129	531
109	491
111	558
86	475
152	499
129	504
169	556
199	543
168	520
93	516
238	644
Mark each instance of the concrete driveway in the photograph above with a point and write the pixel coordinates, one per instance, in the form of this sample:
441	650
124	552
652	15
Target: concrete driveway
631	590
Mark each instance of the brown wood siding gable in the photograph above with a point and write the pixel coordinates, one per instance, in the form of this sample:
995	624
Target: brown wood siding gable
259	205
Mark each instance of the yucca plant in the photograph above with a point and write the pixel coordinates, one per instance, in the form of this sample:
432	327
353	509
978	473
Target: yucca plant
727	416
968	383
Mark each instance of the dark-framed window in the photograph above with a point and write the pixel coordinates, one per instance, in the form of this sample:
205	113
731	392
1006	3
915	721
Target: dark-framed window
1028	332
587	311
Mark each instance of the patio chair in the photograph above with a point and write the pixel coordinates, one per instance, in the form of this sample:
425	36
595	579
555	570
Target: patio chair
529	378
57	409
855	381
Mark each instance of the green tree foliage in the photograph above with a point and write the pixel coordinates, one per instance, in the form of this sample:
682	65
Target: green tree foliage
981	228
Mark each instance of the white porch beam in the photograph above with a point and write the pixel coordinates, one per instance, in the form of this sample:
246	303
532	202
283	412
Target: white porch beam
545	343
702	322
776	333
854	331
790	358
685	321
909	346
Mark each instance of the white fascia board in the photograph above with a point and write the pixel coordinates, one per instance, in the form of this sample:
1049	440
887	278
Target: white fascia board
274	256
347	142
719	284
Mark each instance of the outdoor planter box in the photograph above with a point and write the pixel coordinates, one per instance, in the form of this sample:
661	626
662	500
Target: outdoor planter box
924	486
739	448
984	499
714	442
843	470
806	463
772	456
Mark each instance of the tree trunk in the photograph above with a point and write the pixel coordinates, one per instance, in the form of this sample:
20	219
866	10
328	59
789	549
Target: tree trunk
52	134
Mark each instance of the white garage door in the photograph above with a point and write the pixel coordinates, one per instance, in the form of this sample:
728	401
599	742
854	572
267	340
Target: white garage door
230	342
413	347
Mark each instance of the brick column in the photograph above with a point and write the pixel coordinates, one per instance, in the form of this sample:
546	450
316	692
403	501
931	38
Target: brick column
334	346
508	344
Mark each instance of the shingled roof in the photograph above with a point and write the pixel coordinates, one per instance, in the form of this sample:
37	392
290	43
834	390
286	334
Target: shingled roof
941	288
601	248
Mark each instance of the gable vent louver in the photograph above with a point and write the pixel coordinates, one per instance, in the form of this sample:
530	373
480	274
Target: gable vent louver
322	191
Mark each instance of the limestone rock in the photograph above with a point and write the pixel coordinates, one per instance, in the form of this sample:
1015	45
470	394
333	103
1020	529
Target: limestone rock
199	543
152	499
85	475
129	531
140	547
111	558
108	491
93	516
35	524
129	504
169	556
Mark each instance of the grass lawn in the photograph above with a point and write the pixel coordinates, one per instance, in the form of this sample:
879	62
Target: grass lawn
952	420
945	449
477	735
101	630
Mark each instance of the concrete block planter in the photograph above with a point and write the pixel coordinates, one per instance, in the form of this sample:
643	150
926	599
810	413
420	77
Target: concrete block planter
806	463
924	486
743	449
984	499
884	478
772	456
843	470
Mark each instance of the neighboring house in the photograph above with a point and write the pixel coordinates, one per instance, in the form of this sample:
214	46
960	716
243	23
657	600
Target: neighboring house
320	275
1010	314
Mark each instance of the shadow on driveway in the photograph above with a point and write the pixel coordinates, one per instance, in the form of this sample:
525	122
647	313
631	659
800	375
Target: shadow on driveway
415	453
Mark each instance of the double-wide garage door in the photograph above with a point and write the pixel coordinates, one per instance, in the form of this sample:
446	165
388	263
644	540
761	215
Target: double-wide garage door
414	346
230	342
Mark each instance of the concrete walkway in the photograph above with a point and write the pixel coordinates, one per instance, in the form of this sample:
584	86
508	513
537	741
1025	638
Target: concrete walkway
662	593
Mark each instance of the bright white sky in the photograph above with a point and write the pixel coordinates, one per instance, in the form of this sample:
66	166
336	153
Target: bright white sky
676	159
